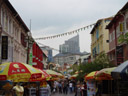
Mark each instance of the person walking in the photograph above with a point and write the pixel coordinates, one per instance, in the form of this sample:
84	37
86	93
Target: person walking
84	89
70	87
78	90
60	87
18	89
65	87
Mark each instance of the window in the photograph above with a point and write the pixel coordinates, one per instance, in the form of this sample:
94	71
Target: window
71	58
97	34
113	35
117	31
127	24
121	27
94	51
98	49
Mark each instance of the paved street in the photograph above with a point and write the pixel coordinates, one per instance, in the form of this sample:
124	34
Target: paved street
59	94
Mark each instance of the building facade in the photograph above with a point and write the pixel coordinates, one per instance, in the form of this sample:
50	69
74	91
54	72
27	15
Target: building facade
99	37
68	59
118	52
49	56
13	32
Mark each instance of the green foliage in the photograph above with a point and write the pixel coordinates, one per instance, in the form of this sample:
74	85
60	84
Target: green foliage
123	38
75	68
99	63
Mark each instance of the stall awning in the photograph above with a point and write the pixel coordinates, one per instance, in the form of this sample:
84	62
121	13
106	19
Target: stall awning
121	72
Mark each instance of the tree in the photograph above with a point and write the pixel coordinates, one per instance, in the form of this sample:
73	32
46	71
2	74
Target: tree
123	38
99	63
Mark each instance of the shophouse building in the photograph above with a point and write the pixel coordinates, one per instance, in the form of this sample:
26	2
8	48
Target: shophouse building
13	32
118	52
99	37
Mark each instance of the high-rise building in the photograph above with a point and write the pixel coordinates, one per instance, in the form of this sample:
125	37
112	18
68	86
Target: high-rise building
71	45
48	52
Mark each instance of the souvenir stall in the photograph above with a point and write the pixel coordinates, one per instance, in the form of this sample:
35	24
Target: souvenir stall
105	82
91	83
18	72
100	82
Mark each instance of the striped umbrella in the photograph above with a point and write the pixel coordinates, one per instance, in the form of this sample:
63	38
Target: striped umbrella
91	75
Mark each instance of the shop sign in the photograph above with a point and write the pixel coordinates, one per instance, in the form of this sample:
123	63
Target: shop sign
4	47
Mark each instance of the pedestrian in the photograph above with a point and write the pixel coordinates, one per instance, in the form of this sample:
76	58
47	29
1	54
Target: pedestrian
78	90
84	89
98	89
26	89
60	87
70	87
18	89
49	89
65	87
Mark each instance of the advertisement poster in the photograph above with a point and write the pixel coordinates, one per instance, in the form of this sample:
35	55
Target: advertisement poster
91	88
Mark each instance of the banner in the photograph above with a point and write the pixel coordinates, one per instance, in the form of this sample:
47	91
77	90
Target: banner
67	33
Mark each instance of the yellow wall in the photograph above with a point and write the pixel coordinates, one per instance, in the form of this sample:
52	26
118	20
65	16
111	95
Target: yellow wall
103	36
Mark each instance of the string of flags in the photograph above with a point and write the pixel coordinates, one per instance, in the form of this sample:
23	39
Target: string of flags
67	33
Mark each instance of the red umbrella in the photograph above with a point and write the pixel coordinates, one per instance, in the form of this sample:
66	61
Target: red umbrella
47	76
19	72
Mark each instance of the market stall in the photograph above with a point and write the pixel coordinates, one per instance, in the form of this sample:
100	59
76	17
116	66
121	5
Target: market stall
91	83
120	75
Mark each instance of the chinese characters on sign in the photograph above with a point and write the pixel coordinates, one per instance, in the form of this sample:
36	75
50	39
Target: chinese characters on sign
4	47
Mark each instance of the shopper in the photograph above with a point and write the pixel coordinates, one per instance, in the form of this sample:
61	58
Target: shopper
78	90
18	89
71	86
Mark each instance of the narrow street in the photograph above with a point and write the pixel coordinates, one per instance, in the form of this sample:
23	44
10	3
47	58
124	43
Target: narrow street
61	94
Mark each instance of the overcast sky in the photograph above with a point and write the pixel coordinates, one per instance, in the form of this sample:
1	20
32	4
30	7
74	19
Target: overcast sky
51	17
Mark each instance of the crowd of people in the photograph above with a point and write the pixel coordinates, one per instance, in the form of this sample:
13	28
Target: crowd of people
64	86
69	87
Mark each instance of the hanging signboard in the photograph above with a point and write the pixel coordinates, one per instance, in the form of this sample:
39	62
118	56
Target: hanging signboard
4	47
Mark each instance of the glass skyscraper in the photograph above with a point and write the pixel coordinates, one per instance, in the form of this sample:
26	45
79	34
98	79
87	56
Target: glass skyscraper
71	45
